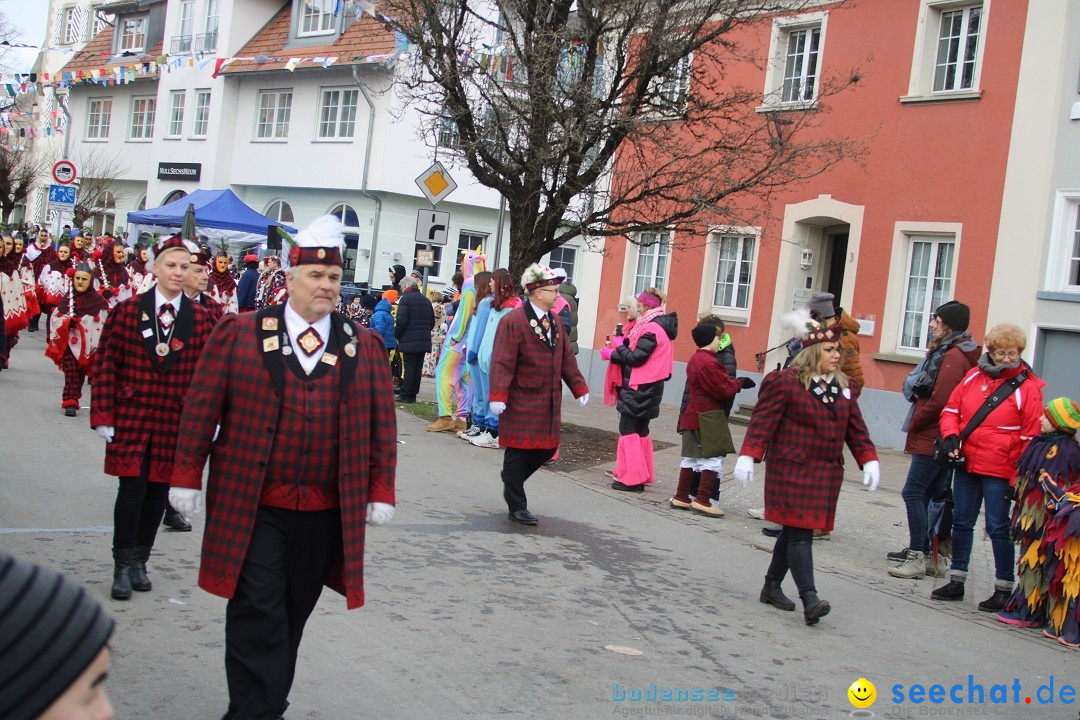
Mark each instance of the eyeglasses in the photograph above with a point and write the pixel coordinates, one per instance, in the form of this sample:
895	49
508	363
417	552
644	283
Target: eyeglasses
1005	355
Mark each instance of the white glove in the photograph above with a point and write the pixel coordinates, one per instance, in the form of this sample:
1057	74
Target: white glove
379	513
584	399
106	432
871	474
497	408
744	470
185	500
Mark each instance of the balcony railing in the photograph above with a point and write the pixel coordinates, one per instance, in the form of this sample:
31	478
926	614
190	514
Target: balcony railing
206	42
180	45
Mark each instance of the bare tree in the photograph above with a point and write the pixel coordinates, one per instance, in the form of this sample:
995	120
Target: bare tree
98	175
597	118
20	165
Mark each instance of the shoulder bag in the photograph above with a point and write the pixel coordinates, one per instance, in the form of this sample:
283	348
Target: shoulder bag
941	455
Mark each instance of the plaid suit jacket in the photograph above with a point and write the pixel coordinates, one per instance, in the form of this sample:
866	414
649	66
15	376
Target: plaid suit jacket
527	374
804	441
238	384
139	393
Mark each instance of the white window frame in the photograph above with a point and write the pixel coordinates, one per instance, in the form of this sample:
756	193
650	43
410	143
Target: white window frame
655	278
177	104
201	121
277	124
70	32
142	118
313	20
134	41
280	205
99	108
925	52
336	121
1063	248
718	237
102	19
674	88
211	22
776	69
185	23
559	262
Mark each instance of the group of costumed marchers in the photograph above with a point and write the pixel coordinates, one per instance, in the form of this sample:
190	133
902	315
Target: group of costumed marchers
12	291
1046	523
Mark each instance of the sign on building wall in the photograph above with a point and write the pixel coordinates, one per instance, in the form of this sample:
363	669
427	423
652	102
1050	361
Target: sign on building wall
179	171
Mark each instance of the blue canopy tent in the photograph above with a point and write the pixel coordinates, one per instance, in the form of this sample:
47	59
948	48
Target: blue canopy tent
219	215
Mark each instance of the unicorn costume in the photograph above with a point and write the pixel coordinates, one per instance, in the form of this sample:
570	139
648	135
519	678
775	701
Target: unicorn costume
451	373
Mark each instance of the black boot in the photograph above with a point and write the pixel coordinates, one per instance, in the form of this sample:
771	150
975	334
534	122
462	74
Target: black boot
139	580
122	560
814	608
995	602
772	594
800	556
952	590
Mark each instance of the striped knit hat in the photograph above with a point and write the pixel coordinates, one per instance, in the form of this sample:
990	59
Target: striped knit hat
51	629
1063	414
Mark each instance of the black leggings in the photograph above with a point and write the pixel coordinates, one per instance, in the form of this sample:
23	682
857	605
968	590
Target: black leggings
633	426
140	505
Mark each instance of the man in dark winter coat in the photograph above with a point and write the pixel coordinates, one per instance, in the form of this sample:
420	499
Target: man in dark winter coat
415	321
245	288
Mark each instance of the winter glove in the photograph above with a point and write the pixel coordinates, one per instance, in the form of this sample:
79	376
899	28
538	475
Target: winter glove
379	513
744	470
747	383
471	358
584	399
185	500
443	327
605	353
106	432
497	408
871	474
952	445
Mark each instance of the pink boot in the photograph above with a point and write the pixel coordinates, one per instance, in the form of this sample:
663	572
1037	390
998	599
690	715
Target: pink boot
629	458
647	455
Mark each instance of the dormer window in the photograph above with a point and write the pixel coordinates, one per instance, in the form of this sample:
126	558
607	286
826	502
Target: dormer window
132	34
314	20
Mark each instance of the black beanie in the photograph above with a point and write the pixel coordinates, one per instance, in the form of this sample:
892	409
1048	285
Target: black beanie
955	314
399	272
703	334
51	629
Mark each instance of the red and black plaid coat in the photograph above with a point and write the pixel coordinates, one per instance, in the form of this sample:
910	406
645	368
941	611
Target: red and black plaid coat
139	393
213	308
238	385
803	439
527	374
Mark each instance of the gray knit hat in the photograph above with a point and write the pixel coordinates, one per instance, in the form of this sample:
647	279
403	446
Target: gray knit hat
821	304
51	629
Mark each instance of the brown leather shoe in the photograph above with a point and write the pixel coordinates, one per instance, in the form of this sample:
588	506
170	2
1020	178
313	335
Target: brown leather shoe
460	425
443	424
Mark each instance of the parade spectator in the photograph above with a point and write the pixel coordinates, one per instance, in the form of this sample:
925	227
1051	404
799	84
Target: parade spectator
367	309
950	355
504	299
645	357
55	655
142	372
823	309
438	335
1048	470
566	308
990	454
76	327
530	361
804	415
412	329
478	380
245	288
287	499
382	322
451	374
352	310
709	386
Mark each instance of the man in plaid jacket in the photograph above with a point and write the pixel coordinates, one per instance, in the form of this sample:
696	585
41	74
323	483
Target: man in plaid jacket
142	369
306	454
530	360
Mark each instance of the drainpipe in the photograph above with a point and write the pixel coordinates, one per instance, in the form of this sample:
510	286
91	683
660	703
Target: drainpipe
363	181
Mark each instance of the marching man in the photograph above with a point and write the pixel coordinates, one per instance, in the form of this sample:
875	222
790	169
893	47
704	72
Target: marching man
306	454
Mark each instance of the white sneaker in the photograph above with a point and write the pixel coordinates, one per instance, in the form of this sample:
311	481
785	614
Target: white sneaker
756	513
484	440
470	433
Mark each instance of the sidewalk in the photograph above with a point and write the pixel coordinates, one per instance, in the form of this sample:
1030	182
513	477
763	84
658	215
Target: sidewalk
868	525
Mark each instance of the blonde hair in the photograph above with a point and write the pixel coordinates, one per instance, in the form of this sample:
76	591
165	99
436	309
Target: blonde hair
656	292
808	363
1005	335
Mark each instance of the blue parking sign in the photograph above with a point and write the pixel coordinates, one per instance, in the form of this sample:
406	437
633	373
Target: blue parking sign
62	194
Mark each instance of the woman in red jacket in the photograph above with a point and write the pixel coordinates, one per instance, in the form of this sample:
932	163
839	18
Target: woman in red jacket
990	454
951	354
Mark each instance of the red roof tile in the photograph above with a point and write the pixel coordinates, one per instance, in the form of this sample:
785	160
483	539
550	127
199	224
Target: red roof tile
365	37
97	54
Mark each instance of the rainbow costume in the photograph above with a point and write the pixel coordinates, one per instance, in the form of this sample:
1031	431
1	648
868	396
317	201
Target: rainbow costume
451	374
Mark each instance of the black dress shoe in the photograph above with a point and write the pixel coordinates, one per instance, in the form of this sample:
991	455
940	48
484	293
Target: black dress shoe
176	521
772	530
616	485
524	517
70	412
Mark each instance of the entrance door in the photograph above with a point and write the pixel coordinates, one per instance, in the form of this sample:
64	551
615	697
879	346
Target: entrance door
834	282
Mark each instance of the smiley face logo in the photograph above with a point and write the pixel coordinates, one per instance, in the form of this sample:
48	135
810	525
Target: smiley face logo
862	693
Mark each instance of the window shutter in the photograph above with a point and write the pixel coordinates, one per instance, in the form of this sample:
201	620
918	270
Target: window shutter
58	27
78	24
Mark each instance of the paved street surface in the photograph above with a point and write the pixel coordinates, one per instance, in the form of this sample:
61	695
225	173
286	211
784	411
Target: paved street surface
469	616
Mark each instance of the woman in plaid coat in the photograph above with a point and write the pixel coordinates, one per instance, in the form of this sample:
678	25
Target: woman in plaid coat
804	416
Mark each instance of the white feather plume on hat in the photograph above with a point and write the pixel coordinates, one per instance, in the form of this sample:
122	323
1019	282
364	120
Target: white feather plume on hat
325	231
795	322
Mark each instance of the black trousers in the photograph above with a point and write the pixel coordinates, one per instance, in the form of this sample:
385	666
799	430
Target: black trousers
633	426
414	364
518	466
794	550
140	505
288	559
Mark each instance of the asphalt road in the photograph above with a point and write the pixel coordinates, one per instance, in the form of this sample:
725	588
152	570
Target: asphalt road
469	616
